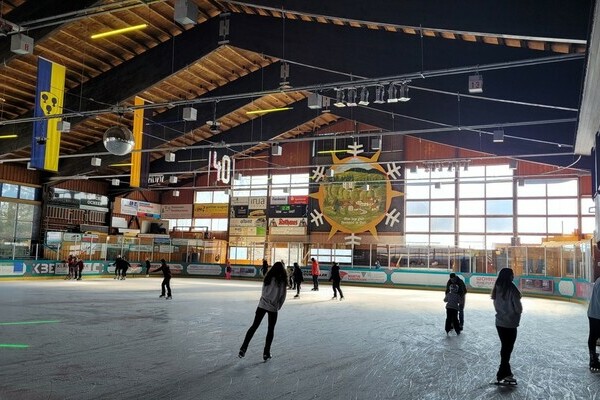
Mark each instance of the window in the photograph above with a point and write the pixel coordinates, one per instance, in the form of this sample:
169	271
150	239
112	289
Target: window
10	190
442	208
417	208
499	207
28	193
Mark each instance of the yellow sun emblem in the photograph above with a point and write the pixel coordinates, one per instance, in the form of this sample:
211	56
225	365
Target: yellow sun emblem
356	194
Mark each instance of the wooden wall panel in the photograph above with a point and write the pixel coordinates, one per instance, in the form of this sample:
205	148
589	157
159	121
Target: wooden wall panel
152	196
87	186
18	174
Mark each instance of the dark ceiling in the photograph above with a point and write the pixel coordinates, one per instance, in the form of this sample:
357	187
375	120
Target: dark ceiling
531	55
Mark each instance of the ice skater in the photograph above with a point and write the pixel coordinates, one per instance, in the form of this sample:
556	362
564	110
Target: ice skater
118	264
594	320
124	267
228	269
78	268
315	272
298	279
335	280
166	283
274	290
452	301
462	291
71	266
507	302
147	267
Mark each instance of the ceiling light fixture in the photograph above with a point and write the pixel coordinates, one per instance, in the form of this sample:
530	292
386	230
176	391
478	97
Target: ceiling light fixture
392	93
340	96
8	136
351	98
332	151
169	157
120	165
498	136
269	110
364	97
403	95
118	31
379	93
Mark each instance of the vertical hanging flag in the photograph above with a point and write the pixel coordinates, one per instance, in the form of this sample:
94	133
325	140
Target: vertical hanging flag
140	162
49	95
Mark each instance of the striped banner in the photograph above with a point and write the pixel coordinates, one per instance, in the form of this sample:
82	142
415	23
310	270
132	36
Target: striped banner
140	162
50	89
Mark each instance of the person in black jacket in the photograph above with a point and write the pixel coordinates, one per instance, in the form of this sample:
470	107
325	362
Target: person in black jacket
336	279
462	292
166	280
298	278
147	267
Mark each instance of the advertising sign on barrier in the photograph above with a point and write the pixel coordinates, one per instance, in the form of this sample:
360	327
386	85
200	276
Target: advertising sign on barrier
204	269
482	282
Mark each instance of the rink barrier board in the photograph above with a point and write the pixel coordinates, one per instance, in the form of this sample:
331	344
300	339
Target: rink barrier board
534	285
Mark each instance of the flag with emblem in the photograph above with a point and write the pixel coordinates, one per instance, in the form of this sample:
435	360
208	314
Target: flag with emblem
49	94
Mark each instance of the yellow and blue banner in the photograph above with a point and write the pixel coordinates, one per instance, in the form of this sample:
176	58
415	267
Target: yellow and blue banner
140	161
49	95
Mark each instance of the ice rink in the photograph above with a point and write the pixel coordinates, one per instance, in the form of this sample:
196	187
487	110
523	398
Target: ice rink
106	339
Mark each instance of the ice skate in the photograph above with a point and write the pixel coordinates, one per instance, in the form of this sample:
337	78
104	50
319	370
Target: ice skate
334	298
341	298
506	381
266	356
594	362
162	295
169	297
242	353
297	296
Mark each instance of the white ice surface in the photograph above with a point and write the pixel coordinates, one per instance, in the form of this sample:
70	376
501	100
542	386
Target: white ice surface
118	340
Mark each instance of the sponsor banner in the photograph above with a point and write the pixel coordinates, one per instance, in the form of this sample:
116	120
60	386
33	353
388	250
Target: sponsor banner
128	207
364	276
140	247
239	201
247	272
287	230
257	203
204	269
53	237
279	200
211	210
566	287
247	231
583	290
176	269
89	237
165	248
93	208
281	222
420	278
248	222
256	214
176	211
72	237
239	212
288	210
150	210
298	200
43	268
246	240
12	268
482	282
538	285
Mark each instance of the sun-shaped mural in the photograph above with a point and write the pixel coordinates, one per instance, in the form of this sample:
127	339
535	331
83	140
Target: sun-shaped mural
355	194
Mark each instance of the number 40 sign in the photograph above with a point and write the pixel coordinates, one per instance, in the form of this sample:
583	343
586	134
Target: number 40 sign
222	167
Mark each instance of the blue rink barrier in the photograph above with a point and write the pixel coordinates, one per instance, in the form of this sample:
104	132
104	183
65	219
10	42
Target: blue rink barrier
547	286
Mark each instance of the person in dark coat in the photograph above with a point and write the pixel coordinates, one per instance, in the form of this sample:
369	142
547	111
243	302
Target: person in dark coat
166	280
147	267
462	292
78	268
118	264
265	267
298	278
273	296
336	279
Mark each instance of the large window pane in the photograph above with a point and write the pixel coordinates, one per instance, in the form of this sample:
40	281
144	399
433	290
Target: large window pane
491	241
417	191
531	207
562	188
532	188
7	229
587	206
499	207
441	240
499	189
417	208
562	206
471	190
472	225
203	197
531	224
442	224
24	230
417	239
445	191
587	225
27	193
10	190
564	226
219	224
219	196
531	239
417	225
471	241
471	207
442	208
499	224
25	212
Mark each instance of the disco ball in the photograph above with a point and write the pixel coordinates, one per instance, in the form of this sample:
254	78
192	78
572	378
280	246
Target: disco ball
118	140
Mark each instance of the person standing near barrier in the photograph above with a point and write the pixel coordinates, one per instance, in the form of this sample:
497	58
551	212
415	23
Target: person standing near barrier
166	283
507	302
78	267
274	290
70	267
298	279
594	321
335	280
117	264
147	267
124	267
228	269
315	272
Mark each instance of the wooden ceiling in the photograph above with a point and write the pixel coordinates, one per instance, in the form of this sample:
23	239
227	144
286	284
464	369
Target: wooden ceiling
69	44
